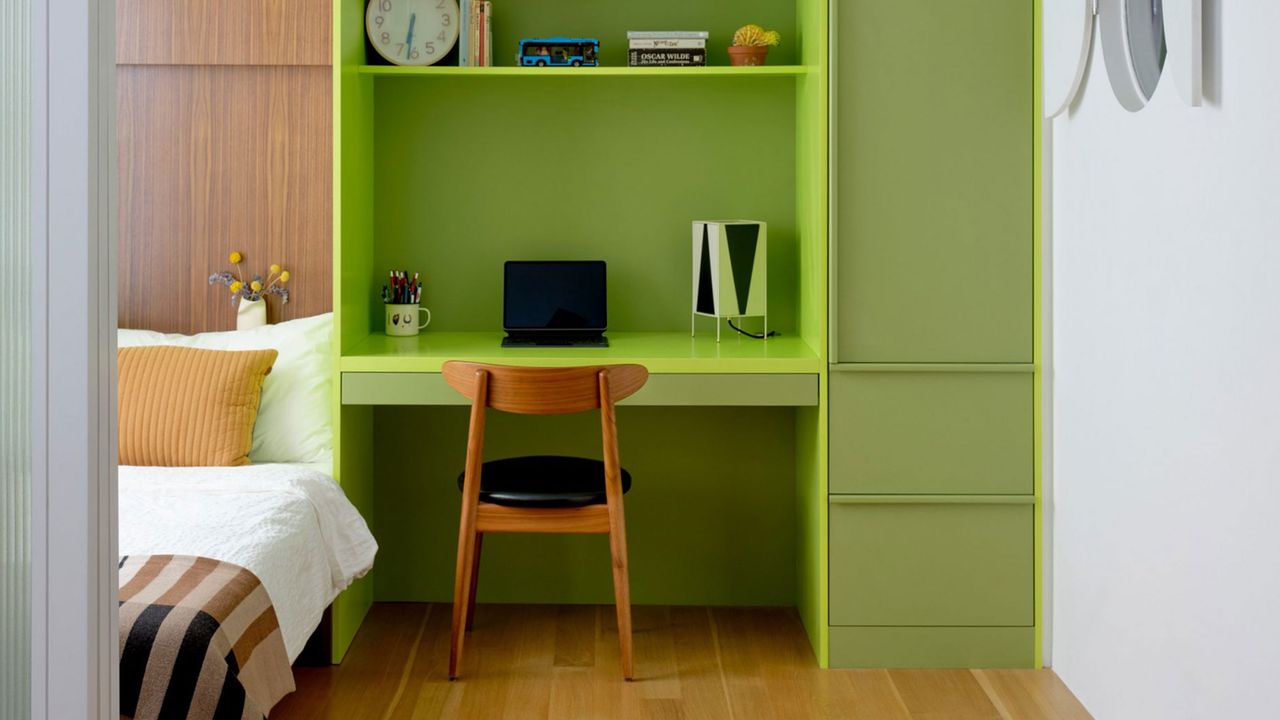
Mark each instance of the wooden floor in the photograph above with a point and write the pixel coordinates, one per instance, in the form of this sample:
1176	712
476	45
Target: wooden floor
562	662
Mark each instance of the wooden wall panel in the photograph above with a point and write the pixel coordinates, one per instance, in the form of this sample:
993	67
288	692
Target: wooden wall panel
225	143
213	159
223	32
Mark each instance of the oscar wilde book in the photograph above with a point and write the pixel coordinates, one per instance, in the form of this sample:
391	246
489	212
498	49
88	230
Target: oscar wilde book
667	58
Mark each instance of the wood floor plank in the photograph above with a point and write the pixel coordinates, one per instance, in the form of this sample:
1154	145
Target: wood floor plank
692	663
430	694
938	694
658	675
360	690
1031	693
575	644
761	655
508	660
702	688
862	695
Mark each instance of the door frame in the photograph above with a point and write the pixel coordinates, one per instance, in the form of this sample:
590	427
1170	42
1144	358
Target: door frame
74	620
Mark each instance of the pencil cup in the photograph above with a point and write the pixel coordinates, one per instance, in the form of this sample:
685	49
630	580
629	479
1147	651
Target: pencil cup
406	320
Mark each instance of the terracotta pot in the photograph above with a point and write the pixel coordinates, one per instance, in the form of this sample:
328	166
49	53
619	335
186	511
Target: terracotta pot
748	56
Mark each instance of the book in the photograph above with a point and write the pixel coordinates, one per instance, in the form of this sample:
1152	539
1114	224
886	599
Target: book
487	40
464	34
668	35
669	43
667	58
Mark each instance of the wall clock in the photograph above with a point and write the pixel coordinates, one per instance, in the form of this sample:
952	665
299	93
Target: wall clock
412	32
1141	41
1134	49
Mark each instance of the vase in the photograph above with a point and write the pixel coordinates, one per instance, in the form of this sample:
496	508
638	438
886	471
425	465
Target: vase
748	56
251	314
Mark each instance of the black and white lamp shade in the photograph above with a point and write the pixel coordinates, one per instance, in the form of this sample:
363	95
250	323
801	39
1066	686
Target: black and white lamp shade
730	270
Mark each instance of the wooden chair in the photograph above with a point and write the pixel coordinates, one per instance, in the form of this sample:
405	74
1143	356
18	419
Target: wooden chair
541	494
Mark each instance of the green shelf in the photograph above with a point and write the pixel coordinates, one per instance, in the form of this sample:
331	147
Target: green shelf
661	352
454	176
579	72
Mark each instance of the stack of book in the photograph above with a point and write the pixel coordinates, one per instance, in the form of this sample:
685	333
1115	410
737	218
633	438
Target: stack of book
667	48
475	39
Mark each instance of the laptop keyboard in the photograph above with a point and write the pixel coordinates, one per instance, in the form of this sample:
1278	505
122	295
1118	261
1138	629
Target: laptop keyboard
585	342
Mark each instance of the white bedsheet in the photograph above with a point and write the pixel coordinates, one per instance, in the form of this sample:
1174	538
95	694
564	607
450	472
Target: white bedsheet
290	525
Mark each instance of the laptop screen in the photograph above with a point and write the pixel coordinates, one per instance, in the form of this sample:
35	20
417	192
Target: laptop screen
554	296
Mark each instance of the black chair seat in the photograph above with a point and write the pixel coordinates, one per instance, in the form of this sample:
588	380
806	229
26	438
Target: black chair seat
544	481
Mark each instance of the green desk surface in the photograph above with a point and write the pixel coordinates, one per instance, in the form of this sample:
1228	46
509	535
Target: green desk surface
604	71
661	352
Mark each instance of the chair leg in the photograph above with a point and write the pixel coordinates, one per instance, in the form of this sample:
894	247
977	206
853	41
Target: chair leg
475	580
462	592
622	598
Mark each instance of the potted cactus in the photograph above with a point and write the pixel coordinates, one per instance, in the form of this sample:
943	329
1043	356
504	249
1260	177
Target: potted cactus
751	45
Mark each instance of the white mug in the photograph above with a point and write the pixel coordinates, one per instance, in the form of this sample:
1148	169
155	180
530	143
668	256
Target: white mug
406	320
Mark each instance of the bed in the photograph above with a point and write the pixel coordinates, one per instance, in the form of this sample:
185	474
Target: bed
226	572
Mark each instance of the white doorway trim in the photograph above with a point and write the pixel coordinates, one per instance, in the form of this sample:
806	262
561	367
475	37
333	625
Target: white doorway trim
74	635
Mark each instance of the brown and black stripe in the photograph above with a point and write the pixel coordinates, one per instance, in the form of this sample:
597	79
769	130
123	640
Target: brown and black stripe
199	640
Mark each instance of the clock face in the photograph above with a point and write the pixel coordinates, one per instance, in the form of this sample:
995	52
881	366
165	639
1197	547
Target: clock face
412	32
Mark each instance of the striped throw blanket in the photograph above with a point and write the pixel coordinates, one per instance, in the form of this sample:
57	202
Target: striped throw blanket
199	640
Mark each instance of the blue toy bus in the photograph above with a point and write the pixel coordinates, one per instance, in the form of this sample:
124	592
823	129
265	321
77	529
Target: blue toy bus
560	51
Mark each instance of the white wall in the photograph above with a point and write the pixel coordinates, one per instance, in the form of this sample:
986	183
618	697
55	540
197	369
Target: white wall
1166	252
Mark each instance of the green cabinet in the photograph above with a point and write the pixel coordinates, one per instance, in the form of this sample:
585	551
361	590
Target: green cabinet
932	514
932	562
932	432
934	192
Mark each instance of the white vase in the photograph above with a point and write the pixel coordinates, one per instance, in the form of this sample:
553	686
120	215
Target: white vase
252	314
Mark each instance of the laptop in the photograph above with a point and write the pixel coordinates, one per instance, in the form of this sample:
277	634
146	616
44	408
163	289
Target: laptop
554	304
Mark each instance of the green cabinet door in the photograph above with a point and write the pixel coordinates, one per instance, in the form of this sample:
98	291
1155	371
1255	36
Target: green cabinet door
932	433
934	180
903	562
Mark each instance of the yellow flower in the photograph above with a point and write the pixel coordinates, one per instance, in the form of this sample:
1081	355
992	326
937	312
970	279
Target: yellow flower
275	268
235	258
235	286
284	276
255	286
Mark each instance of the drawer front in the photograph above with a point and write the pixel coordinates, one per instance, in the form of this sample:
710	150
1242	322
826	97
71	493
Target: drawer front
711	390
933	433
919	563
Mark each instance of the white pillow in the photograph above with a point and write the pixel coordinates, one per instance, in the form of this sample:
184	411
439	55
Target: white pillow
295	416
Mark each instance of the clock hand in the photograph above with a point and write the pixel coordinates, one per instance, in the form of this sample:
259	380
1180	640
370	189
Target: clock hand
408	41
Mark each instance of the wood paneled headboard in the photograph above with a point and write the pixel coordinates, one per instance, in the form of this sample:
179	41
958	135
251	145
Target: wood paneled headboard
225	143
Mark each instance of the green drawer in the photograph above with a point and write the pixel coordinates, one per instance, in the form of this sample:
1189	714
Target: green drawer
929	432
940	561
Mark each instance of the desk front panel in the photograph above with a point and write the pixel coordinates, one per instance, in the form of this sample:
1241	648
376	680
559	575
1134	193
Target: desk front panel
667	390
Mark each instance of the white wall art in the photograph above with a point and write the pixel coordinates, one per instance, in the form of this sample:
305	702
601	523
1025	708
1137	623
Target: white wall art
1142	40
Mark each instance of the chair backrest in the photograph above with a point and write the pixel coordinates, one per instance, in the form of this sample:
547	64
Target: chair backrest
544	391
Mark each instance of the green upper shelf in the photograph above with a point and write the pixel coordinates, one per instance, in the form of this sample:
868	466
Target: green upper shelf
661	352
706	71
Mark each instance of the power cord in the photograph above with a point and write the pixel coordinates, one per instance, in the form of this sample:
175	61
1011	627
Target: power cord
757	336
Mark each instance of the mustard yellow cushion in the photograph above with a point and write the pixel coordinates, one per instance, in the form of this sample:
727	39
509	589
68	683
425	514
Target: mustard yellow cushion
184	407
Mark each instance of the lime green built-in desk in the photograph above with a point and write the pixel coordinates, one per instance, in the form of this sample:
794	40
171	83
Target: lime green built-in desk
721	441
685	371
